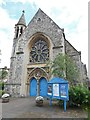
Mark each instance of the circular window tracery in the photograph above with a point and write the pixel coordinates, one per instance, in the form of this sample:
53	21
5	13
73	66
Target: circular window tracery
39	51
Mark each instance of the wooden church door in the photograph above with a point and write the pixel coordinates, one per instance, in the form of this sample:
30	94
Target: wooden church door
33	87
43	87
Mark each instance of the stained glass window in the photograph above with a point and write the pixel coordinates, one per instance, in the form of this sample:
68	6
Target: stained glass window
39	51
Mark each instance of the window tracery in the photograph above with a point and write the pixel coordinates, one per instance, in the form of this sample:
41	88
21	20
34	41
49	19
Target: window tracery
39	51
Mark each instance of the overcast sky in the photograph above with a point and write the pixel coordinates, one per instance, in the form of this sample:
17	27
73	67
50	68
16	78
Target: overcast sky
72	15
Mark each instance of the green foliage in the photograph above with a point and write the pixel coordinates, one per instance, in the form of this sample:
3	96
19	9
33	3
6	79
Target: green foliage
3	74
79	96
1	92
63	64
1	85
59	66
72	72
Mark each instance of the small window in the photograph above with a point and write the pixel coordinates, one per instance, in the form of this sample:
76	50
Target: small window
21	30
17	32
39	19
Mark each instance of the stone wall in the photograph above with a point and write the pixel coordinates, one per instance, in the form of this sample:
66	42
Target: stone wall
76	56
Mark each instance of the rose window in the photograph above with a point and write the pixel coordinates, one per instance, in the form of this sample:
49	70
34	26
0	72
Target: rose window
39	51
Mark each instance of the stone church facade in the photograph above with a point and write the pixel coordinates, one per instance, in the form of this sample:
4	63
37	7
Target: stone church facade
33	45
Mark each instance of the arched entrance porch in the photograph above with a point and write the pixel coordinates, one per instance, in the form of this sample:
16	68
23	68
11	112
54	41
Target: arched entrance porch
37	82
38	89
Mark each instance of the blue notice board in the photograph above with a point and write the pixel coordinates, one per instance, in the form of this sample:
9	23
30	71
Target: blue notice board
58	88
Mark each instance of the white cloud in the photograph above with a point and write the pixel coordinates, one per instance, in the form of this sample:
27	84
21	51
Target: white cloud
5	21
5	46
2	2
6	37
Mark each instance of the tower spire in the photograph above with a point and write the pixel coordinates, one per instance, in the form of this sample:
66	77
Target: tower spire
20	26
22	19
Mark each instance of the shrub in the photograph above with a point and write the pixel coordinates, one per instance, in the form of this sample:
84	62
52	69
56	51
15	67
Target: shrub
1	92
1	85
79	96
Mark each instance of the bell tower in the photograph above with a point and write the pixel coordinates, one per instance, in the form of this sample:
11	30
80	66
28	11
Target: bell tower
20	26
19	29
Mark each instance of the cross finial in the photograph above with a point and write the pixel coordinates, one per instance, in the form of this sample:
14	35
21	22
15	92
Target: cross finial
23	11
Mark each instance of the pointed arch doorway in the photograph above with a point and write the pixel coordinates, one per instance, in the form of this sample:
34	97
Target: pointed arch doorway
38	84
42	87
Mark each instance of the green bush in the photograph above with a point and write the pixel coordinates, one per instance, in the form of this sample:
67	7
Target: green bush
1	92
79	96
1	85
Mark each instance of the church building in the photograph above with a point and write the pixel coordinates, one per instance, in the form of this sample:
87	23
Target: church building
33	45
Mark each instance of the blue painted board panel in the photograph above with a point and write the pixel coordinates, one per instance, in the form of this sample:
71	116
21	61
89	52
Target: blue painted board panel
43	87
33	87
